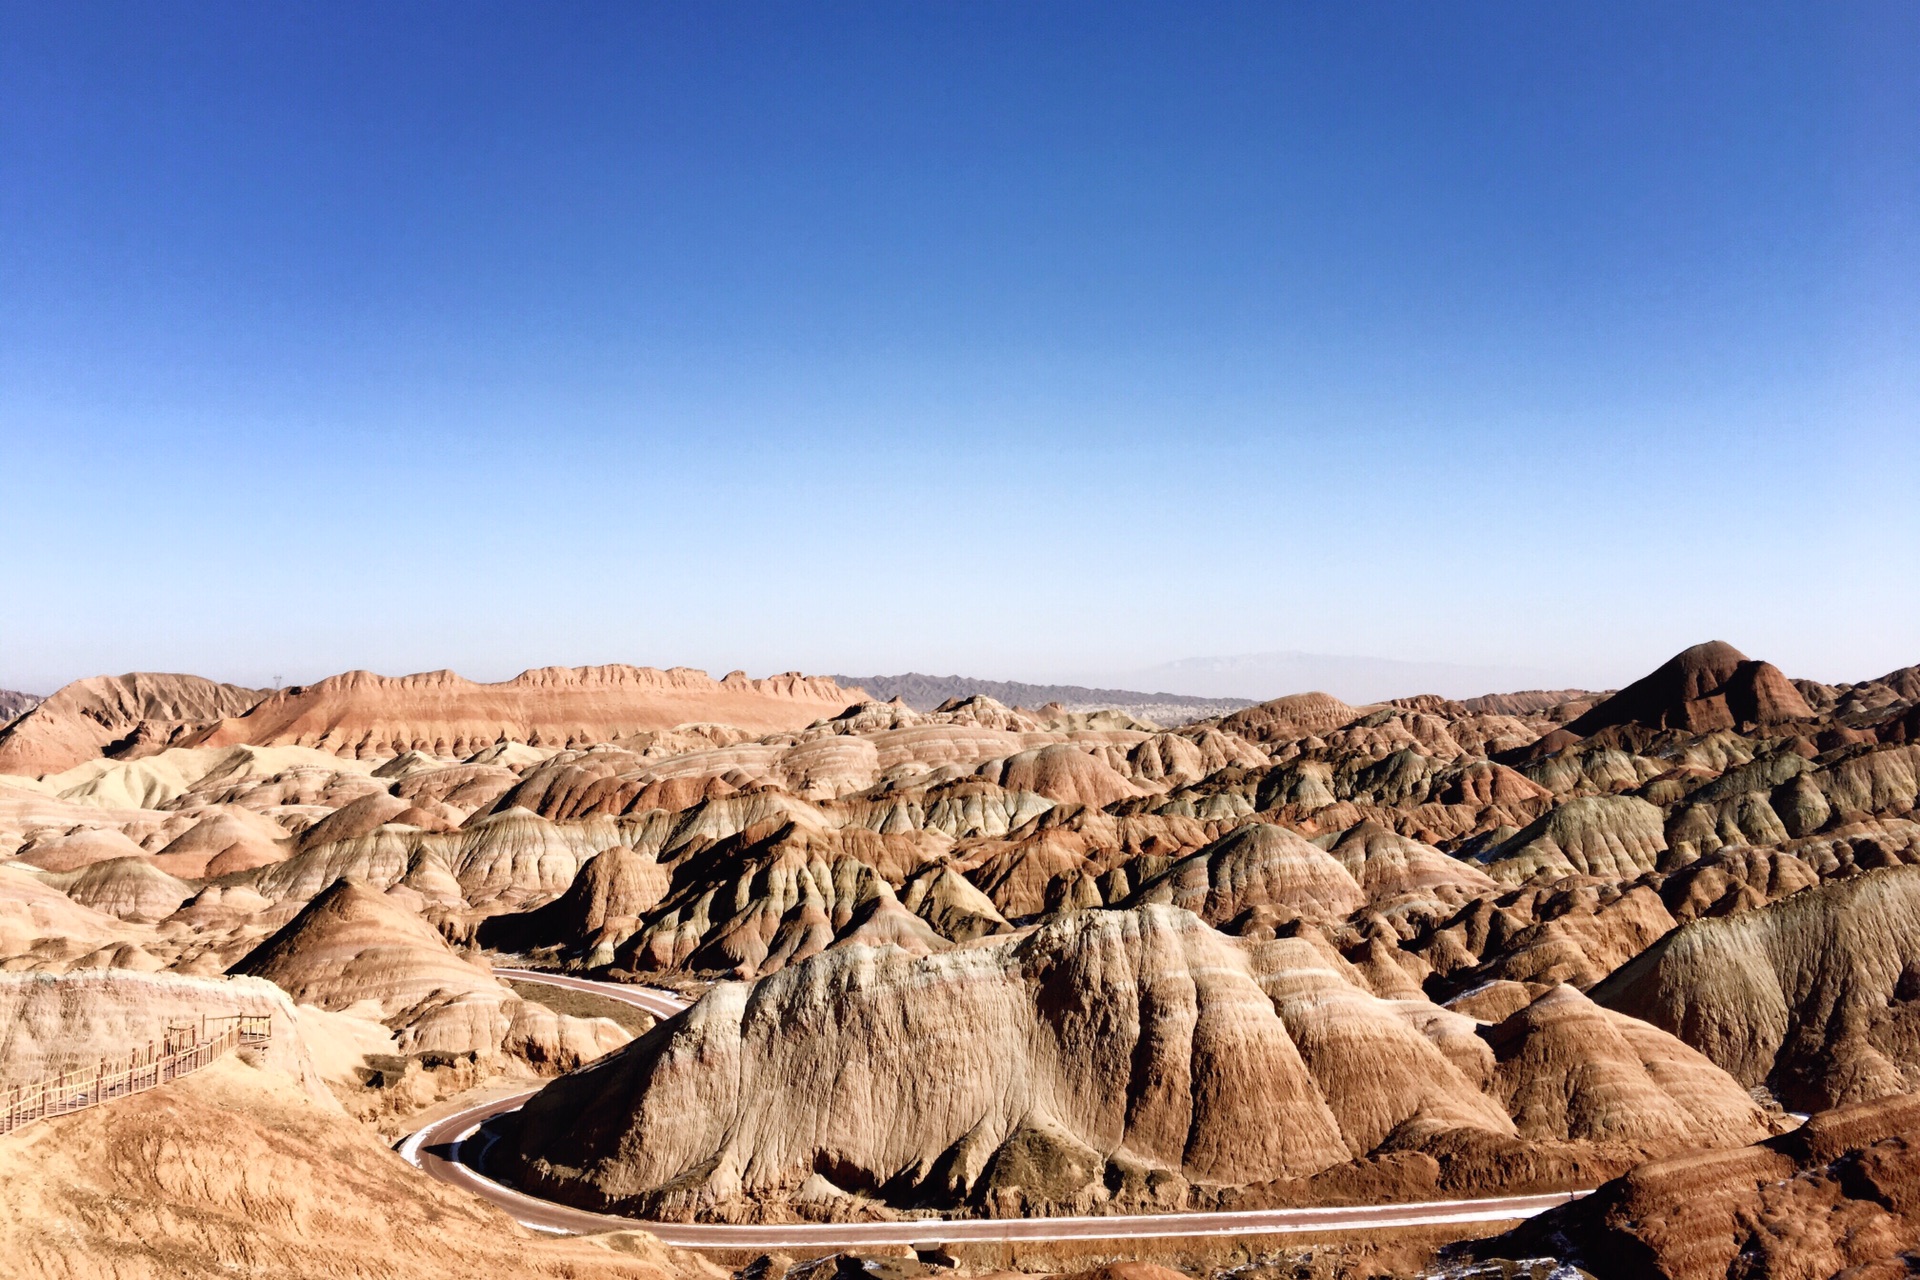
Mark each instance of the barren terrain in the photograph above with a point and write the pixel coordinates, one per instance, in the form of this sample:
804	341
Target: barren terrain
978	961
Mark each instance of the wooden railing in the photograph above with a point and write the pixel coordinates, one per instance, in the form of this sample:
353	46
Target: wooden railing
185	1047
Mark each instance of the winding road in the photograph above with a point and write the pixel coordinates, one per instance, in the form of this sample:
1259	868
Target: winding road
447	1150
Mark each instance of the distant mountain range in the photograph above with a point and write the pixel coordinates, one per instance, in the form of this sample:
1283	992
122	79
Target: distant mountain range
925	692
1257	677
1197	688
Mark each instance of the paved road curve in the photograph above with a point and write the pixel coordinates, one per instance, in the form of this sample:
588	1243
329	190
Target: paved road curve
661	1004
448	1150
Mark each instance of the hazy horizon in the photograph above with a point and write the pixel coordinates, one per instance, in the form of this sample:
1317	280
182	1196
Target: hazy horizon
1020	341
1253	677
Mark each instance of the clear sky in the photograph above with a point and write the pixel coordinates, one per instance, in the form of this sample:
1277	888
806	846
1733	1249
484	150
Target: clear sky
1026	340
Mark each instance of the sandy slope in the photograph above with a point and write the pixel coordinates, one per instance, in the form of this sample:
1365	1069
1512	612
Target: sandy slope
235	1171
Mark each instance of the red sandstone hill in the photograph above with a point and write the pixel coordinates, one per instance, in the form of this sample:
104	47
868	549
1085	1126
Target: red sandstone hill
363	714
359	713
1710	686
1289	718
137	713
1837	1197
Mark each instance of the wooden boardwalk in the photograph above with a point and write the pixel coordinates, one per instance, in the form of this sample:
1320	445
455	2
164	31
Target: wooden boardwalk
186	1047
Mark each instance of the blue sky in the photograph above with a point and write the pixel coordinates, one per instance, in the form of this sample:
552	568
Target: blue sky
1040	341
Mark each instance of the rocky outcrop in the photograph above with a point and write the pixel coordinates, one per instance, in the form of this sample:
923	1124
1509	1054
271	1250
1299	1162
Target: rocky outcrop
1290	718
126	888
135	714
14	704
42	928
354	949
1106	1056
1732	881
1392	869
789	899
512	858
1257	866
1575	933
1534	702
1710	686
222	841
1816	996
1612	837
1063	774
51	1023
1838	1197
1568	1068
599	910
441	714
85	847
